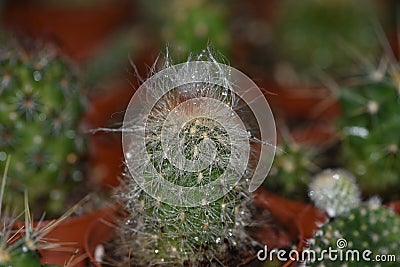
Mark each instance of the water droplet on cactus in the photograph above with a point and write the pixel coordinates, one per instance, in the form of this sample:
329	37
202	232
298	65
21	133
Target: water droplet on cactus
37	76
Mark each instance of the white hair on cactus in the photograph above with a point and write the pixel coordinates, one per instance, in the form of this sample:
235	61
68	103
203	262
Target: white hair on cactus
186	139
190	116
335	191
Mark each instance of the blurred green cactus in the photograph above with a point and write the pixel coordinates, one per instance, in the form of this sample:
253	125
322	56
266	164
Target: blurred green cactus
40	108
369	125
19	246
189	26
294	165
322	34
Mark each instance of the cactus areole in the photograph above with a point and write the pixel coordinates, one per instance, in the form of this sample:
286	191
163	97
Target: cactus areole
198	138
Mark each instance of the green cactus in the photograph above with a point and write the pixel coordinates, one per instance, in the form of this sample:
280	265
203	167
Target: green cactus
294	165
323	34
188	26
369	129
353	225
158	233
334	191
40	109
19	247
370	226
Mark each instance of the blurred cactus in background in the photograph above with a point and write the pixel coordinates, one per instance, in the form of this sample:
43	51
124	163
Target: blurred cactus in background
19	245
370	227
294	165
40	109
188	26
370	126
324	34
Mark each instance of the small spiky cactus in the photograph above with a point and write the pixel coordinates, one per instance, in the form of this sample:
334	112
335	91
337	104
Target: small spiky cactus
353	225
157	232
19	247
335	191
369	129
370	226
40	110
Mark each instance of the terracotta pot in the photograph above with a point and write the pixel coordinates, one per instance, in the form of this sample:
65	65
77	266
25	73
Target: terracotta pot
78	29
99	232
395	206
71	233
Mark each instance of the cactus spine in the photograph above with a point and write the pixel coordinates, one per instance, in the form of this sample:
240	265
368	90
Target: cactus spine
19	247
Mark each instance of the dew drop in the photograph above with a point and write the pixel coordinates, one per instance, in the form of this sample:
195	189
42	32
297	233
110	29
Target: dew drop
318	233
25	248
37	76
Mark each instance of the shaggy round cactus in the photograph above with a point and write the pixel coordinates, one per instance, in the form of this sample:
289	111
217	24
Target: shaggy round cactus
189	160
40	109
371	229
335	191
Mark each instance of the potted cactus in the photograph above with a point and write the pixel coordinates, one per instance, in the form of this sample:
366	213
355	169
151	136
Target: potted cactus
208	224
